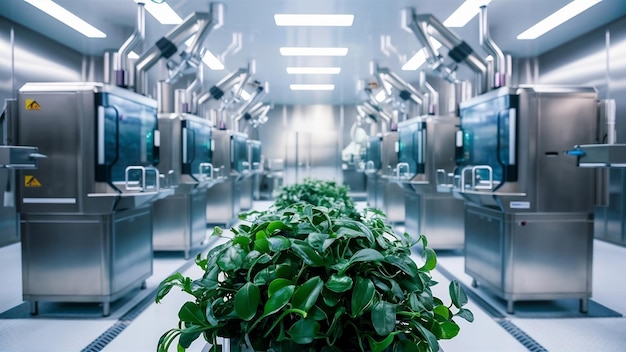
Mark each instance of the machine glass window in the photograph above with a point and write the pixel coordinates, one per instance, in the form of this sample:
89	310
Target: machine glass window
129	129
198	146
372	153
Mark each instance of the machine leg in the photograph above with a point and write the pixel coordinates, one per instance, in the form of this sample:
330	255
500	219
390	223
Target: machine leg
509	306
187	253
474	283
143	285
584	305
106	309
34	307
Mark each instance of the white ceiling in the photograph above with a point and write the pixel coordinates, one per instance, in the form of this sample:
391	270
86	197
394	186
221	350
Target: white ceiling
262	39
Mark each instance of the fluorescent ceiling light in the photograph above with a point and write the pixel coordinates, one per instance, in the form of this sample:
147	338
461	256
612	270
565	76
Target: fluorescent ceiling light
245	95
468	10
312	86
67	18
420	58
313	20
308	51
133	55
313	70
162	12
565	13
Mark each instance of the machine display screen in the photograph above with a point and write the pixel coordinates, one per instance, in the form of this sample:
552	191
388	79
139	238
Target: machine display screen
372	152
411	146
128	129
239	153
198	146
489	137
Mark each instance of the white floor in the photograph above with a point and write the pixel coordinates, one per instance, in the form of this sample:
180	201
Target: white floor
485	334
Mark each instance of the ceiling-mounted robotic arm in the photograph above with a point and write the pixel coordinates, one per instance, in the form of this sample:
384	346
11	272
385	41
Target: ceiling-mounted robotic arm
199	24
227	83
426	26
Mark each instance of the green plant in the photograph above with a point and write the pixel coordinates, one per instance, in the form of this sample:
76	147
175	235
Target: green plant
320	193
309	278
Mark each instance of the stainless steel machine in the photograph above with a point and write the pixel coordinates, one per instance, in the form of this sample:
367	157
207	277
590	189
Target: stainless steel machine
187	147
426	149
231	157
11	158
86	211
251	181
528	207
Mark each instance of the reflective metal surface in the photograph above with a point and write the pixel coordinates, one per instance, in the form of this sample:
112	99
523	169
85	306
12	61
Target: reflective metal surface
529	214
86	215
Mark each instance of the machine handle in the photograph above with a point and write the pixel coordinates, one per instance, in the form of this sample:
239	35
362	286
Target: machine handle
489	180
247	167
401	166
369	167
463	172
206	169
141	185
256	166
442	177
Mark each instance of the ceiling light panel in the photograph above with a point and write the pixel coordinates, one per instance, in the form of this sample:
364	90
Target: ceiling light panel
312	86
212	62
162	12
314	20
462	15
313	70
53	9
309	51
556	19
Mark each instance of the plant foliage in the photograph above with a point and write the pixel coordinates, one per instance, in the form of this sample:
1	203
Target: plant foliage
320	193
310	278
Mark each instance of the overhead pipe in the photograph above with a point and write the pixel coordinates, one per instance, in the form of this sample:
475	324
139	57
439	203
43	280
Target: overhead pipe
137	37
405	90
192	55
426	26
371	109
260	91
499	60
431	95
193	90
168	45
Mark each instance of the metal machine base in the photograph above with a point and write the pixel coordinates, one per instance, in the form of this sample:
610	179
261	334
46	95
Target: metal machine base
438	216
390	199
246	187
222	206
530	256
85	258
180	223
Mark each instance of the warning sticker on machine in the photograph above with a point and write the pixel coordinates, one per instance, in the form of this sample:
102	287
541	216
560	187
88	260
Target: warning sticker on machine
31	181
32	104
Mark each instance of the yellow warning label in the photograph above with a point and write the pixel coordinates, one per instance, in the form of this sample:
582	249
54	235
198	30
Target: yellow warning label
32	104
31	181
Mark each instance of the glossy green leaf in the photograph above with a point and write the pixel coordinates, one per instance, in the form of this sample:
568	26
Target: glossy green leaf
379	346
459	298
275	226
243	241
306	295
429	337
415	303
278	300
209	315
304	331
442	311
246	301
232	259
191	312
316	313
327	243
367	255
465	314
431	259
330	298
339	283
362	296
175	279
260	242
449	329
405	264
285	271
278	243
383	317
189	335
262	277
307	253
276	285
316	240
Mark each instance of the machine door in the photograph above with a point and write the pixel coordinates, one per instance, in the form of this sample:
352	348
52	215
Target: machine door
127	135
412	147
197	145
489	139
239	153
373	154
